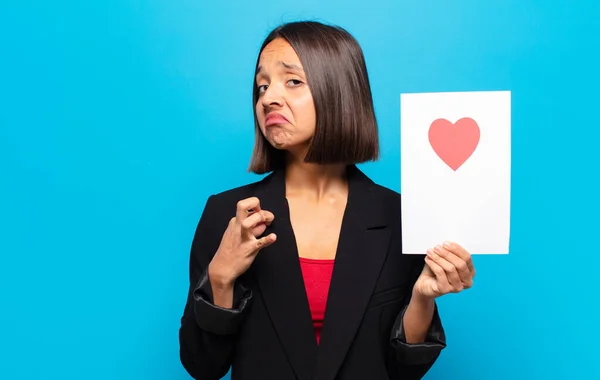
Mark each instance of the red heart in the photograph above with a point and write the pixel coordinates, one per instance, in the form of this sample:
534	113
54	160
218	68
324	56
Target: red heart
454	143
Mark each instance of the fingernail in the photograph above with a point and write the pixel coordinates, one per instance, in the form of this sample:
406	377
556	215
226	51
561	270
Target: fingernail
437	248
430	253
447	244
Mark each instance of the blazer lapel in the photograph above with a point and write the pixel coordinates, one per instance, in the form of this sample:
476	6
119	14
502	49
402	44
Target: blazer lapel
279	277
361	253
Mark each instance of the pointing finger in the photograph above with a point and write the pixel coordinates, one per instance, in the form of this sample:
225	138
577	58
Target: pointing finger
245	206
255	220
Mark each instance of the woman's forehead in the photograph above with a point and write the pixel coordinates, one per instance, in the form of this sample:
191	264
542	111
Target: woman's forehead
280	52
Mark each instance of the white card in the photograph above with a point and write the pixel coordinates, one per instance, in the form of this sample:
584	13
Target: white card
455	170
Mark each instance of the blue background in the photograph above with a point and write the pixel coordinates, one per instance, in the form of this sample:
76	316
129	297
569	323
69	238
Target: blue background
119	118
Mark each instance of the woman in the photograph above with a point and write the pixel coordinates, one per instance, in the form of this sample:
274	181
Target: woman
300	275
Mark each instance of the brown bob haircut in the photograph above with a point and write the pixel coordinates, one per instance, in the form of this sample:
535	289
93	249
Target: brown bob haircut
346	128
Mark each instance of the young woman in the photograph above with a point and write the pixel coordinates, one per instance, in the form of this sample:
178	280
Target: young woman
300	275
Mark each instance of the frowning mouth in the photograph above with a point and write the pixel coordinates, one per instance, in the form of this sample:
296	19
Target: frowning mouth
275	119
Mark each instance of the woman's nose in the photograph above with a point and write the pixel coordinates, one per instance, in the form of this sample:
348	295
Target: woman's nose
272	95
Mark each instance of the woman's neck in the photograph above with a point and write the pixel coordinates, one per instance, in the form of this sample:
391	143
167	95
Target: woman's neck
313	180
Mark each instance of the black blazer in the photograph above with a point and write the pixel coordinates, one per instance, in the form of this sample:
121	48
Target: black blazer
268	334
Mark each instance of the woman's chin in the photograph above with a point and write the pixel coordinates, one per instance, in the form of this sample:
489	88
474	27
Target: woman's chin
288	146
280	144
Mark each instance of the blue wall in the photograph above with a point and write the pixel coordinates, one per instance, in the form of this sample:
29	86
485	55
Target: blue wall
119	118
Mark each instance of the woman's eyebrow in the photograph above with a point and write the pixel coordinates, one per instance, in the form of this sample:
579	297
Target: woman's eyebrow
289	66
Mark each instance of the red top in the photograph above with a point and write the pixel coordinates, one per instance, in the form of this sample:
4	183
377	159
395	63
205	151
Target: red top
317	276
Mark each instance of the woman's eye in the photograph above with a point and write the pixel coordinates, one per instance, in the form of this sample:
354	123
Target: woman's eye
262	88
294	82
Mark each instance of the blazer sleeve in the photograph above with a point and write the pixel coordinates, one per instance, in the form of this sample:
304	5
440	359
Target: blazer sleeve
413	361
208	333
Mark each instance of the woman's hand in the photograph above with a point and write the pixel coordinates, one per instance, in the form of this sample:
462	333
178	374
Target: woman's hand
449	269
240	243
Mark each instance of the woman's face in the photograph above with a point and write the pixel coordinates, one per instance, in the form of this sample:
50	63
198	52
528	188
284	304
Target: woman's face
285	109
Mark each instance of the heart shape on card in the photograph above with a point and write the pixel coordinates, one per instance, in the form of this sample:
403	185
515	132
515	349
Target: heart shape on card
454	143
